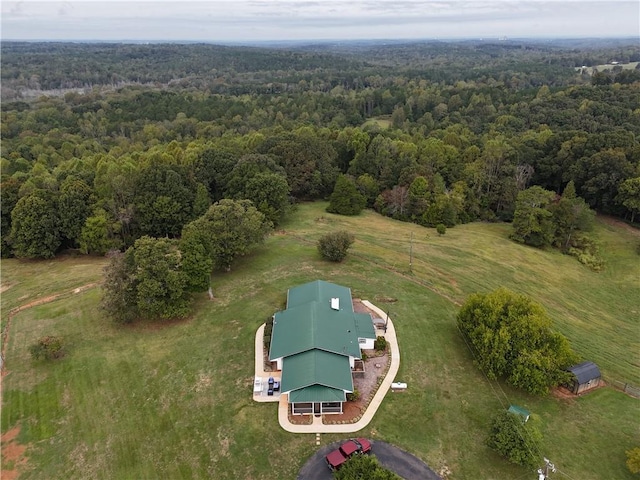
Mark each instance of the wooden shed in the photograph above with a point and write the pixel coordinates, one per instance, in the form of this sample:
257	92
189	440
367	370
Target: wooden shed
586	376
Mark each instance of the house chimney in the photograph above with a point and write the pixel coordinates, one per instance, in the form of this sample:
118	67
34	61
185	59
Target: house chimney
335	303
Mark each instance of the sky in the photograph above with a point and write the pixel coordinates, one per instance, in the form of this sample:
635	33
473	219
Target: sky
271	20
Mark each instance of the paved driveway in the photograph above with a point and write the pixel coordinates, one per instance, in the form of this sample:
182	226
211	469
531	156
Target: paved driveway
404	464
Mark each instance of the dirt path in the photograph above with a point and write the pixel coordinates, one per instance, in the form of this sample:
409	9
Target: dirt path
12	451
35	303
619	223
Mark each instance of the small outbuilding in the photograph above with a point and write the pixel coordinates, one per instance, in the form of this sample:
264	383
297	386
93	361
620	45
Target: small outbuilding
523	413
586	376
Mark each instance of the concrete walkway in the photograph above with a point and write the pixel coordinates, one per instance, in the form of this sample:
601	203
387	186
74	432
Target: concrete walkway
317	426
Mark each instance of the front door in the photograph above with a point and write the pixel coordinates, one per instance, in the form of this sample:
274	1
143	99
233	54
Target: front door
316	408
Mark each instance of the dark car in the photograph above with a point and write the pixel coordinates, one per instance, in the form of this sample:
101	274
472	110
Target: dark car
355	446
276	386
271	383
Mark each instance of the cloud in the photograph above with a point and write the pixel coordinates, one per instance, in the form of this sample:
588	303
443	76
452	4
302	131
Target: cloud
304	19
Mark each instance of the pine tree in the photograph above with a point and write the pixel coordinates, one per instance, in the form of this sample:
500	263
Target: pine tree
345	199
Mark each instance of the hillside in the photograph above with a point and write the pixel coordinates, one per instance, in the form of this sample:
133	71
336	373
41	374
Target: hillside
173	399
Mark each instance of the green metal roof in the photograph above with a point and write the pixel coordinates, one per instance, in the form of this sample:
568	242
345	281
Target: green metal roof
364	325
317	393
315	342
310	322
316	367
515	409
319	290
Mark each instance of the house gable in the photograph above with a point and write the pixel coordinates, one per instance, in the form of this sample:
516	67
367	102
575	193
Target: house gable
310	322
315	341
316	367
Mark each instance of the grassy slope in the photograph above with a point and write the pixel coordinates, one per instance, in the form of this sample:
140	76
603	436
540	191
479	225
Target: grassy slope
174	401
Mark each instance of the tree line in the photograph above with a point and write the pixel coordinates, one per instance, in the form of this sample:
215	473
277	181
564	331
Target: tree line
99	170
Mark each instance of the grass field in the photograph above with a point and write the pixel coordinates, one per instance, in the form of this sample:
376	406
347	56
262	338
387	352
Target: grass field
174	400
608	66
383	121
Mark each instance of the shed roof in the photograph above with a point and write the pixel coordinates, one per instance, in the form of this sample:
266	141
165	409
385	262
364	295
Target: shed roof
585	371
523	412
316	367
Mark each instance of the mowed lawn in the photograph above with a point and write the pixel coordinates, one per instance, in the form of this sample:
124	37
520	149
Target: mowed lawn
173	400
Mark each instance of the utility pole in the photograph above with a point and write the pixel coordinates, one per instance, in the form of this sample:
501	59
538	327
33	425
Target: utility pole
543	473
411	254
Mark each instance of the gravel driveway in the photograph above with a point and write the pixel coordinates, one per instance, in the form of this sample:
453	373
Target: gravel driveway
404	464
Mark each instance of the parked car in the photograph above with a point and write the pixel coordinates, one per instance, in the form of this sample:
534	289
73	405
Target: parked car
270	383
276	386
355	446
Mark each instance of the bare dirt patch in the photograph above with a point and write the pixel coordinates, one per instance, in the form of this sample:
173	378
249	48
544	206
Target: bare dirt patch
4	287
563	394
300	419
619	223
375	367
13	454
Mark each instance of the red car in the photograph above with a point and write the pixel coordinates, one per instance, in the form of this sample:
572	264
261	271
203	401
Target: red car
355	446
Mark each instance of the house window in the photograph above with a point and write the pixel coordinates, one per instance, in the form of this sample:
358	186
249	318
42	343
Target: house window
302	408
331	407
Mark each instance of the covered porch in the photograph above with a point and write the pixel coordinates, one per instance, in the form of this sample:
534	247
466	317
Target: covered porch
316	400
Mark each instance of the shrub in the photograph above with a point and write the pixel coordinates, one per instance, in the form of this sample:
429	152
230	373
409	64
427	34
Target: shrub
352	397
633	460
47	348
441	228
268	329
334	246
364	467
380	344
587	251
514	439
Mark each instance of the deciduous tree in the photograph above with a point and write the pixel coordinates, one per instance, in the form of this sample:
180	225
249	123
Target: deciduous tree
629	196
119	289
97	237
74	208
235	226
159	280
35	227
196	245
511	338
532	220
364	467
571	214
514	439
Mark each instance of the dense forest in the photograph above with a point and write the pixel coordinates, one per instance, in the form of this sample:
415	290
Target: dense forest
103	144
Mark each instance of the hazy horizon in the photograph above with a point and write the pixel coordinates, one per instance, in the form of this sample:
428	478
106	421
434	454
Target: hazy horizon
265	21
